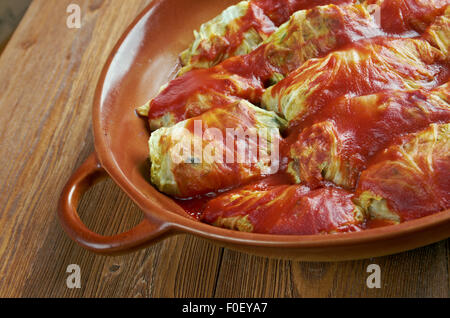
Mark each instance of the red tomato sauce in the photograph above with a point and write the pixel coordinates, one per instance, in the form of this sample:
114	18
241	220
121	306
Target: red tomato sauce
279	11
399	16
254	19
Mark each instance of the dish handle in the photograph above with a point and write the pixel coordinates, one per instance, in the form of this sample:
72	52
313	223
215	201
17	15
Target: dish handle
85	177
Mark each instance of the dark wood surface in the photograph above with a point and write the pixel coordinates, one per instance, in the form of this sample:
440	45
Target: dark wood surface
48	75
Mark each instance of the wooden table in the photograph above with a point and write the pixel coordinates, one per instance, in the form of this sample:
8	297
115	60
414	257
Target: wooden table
48	75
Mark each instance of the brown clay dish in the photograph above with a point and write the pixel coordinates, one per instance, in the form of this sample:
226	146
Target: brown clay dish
145	58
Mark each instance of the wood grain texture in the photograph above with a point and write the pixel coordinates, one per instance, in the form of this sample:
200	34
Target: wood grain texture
48	75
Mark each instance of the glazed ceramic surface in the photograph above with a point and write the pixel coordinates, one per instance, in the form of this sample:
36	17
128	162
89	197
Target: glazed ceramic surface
145	58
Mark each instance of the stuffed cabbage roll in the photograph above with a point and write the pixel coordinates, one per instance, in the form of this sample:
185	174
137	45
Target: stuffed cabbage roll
196	92
222	148
410	179
351	130
317	155
316	32
238	30
285	209
366	67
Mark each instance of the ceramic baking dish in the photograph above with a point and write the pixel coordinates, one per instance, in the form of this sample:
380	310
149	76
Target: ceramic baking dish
145	58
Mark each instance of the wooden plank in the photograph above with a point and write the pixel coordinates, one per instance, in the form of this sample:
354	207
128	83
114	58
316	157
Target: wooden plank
448	265
419	273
